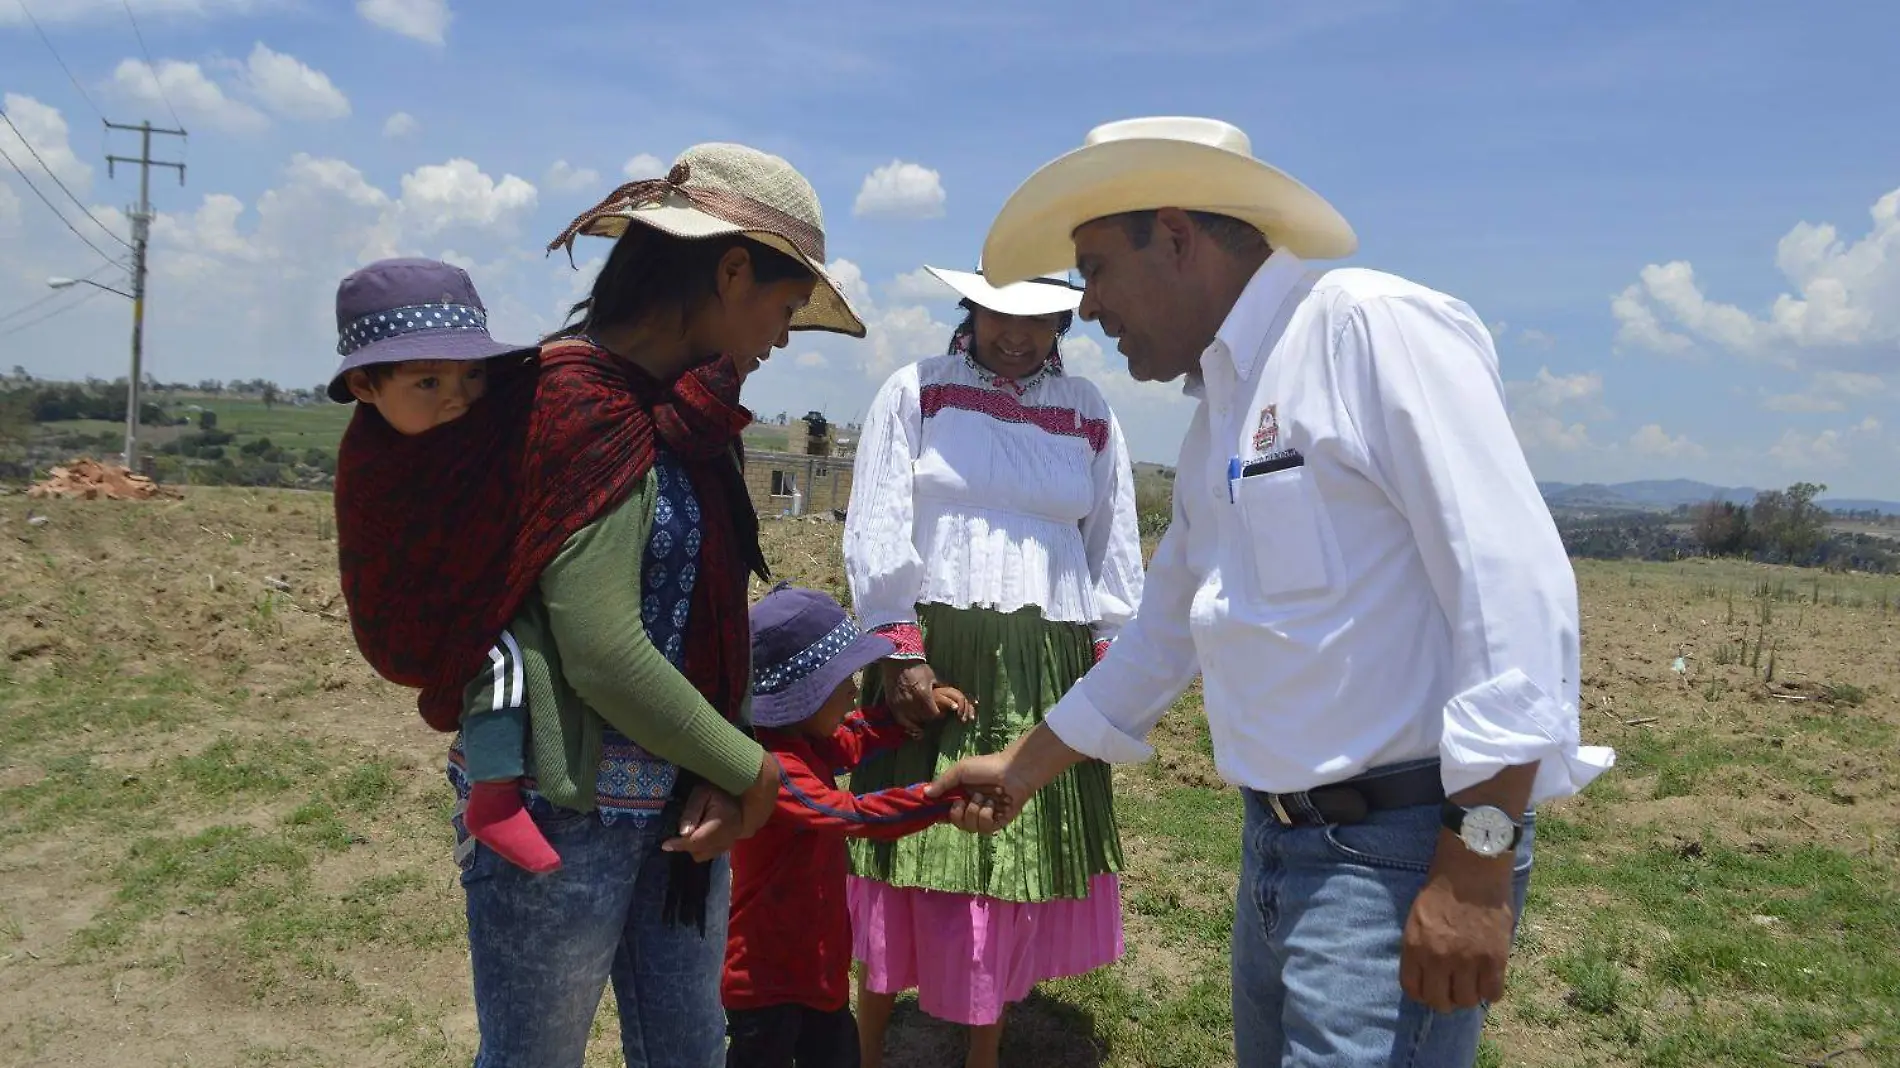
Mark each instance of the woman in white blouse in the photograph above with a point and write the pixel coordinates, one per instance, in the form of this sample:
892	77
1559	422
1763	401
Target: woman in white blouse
991	535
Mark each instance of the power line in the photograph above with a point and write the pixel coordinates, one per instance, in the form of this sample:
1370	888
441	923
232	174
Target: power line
54	295
149	64
83	210
62	63
61	310
54	208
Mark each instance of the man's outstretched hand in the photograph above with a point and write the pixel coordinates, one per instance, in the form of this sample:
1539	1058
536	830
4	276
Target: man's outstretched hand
992	795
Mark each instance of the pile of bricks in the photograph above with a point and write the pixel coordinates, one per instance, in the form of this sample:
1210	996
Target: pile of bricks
90	480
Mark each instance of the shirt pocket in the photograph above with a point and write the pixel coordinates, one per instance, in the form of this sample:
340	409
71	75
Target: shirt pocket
1286	534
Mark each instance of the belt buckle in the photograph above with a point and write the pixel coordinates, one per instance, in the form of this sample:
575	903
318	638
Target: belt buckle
1279	810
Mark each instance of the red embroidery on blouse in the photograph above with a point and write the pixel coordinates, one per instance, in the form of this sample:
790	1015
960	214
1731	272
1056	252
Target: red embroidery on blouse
1065	421
906	636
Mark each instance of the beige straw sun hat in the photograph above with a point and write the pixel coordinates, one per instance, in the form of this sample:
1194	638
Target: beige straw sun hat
1145	164
715	190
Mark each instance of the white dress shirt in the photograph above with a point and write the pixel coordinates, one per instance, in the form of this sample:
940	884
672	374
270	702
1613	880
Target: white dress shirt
967	494
1383	583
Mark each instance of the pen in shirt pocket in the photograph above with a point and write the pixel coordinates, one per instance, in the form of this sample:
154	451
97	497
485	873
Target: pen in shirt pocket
1233	476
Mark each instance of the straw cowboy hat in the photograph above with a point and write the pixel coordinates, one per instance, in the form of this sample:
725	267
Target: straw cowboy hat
716	190
1145	164
1049	294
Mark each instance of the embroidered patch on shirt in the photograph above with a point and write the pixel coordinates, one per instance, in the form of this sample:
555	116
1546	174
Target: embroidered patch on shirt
1268	433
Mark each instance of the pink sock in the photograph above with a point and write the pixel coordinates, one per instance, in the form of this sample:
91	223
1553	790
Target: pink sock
496	819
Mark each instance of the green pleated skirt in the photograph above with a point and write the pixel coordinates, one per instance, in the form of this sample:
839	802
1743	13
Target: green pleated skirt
1015	666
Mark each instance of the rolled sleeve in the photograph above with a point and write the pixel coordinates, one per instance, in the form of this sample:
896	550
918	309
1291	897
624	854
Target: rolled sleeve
1510	721
1087	730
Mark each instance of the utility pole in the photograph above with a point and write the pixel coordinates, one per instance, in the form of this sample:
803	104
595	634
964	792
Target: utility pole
141	233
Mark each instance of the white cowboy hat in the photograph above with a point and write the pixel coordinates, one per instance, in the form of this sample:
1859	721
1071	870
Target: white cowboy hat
1145	164
714	190
1049	294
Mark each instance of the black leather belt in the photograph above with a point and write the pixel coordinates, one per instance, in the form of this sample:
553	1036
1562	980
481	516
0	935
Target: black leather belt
1349	801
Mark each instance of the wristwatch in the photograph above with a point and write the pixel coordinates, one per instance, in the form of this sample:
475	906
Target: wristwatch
1484	829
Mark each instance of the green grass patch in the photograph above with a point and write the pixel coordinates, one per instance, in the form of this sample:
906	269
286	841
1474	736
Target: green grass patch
1760	953
198	871
231	768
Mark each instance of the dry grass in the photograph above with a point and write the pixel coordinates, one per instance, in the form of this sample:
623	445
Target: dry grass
224	842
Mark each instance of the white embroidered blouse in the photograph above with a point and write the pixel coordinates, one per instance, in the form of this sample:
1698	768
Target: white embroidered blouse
968	495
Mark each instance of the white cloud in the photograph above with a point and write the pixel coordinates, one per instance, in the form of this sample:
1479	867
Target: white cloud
1639	327
44	128
1653	440
1536	338
1154	412
1844	297
197	98
1810	453
850	279
400	125
920	287
900	190
424	20
1549	411
895	334
811	359
9	207
288	87
644	165
259	269
563	177
1829	391
457	194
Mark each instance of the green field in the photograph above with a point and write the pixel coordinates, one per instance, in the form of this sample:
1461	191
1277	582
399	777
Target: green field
224	842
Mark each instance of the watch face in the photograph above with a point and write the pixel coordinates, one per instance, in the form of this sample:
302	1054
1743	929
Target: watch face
1487	830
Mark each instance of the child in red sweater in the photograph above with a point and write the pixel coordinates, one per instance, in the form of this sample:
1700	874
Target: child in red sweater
788	945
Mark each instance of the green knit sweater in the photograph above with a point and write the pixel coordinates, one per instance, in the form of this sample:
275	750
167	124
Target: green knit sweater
586	660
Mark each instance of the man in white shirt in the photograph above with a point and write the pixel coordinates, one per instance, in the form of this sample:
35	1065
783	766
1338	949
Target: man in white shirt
1362	572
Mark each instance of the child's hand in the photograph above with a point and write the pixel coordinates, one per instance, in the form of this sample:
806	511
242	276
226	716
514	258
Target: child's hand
950	702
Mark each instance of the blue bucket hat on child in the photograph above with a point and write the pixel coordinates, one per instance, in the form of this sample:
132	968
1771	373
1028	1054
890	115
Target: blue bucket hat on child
409	309
803	645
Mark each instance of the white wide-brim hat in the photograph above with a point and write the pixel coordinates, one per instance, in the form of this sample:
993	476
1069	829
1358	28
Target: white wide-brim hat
1146	164
1049	294
717	190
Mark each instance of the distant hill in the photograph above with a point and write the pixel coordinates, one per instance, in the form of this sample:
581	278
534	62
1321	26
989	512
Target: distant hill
1668	494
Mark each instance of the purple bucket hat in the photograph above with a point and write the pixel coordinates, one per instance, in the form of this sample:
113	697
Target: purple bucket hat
409	309
803	645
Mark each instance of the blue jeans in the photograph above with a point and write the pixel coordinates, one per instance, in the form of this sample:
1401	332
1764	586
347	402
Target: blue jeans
543	947
1317	927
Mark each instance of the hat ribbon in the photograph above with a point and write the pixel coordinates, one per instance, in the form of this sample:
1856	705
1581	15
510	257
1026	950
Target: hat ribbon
408	319
795	668
725	204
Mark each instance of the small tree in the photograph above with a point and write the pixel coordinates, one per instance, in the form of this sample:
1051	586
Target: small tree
270	395
16	421
207	420
1721	528
1805	525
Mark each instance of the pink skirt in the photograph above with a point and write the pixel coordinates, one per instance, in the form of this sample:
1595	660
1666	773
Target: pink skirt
970	956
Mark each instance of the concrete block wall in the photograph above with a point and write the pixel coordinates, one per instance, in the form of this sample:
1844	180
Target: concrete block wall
824	482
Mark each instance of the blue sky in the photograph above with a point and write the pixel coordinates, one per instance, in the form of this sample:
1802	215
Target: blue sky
1636	197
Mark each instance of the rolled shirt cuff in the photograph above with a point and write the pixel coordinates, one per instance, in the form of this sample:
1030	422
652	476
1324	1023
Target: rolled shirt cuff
1509	721
1083	728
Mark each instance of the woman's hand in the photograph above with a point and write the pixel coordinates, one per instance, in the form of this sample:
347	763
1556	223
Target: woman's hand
909	690
760	798
950	701
709	825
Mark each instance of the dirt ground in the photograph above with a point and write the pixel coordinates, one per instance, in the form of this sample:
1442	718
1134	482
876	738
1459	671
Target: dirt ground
224	842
